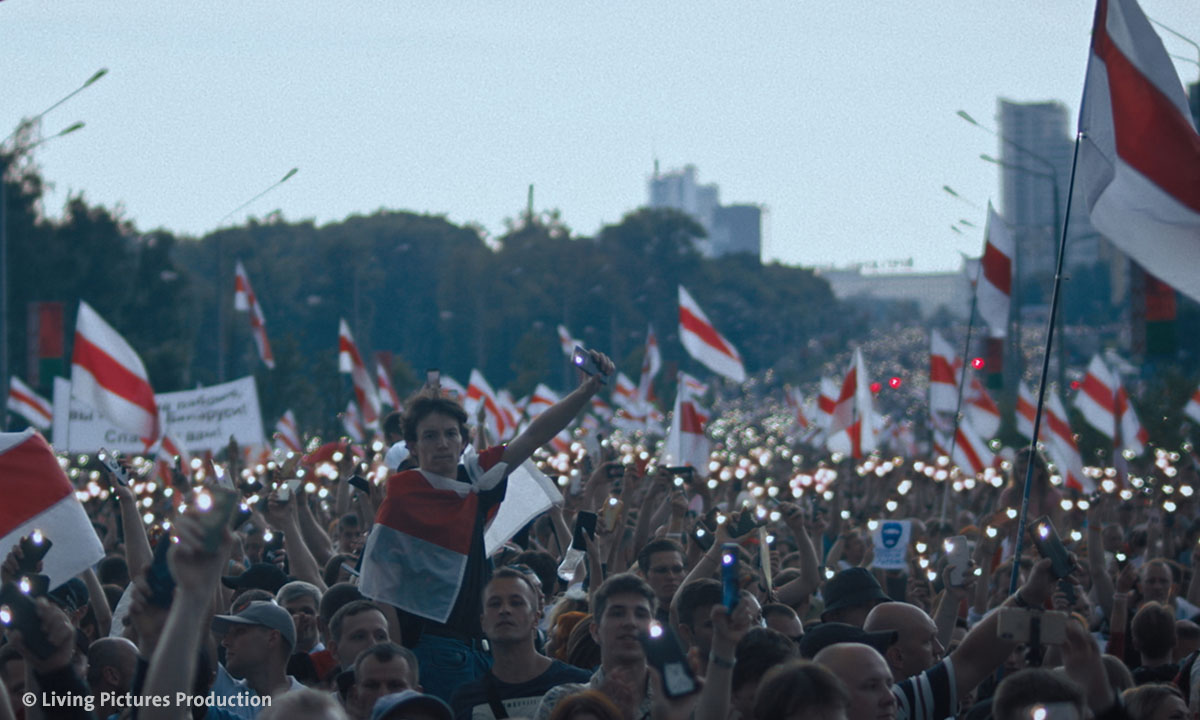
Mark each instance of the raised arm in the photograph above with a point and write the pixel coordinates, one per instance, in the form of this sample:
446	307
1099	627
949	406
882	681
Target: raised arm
544	427
810	575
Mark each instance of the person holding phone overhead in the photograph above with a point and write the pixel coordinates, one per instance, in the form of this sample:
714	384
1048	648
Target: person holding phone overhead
425	554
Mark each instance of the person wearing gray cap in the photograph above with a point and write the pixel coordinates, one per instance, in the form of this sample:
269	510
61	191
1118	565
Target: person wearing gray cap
258	642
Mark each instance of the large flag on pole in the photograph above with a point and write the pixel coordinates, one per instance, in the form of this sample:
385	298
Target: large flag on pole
651	362
38	496
1056	435
479	392
387	391
852	429
994	292
703	342
943	380
287	434
971	453
1139	158
108	375
350	361
1104	404
23	401
245	299
686	442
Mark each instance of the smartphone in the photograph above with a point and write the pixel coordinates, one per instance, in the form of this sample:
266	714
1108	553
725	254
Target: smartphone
1068	588
703	536
33	549
19	611
158	575
284	493
116	471
217	505
687	472
583	360
729	576
585	522
612	511
664	652
433	377
958	560
1016	625
360	482
241	515
1049	545
746	523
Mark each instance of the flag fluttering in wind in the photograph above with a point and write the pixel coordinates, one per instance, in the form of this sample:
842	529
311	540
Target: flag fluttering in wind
1055	434
244	299
945	373
566	341
993	295
703	342
287	434
387	391
1105	406
686	442
853	423
1192	409
970	451
109	376
480	393
795	401
1139	158
23	401
350	361
651	362
352	422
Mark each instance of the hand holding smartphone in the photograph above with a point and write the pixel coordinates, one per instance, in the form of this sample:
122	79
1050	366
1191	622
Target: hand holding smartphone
1049	545
115	469
583	360
665	654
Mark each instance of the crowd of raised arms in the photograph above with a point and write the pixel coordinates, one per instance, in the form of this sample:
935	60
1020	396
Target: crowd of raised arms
756	597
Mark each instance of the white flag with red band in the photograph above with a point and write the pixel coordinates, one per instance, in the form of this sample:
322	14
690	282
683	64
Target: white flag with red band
245	299
994	292
686	443
703	342
1055	435
23	401
38	496
943	378
480	393
452	388
1139	157
625	392
350	361
602	409
853	425
981	409
542	399
970	453
510	412
651	362
287	434
352	422
566	341
795	401
109	376
827	401
1104	404
387	391
1192	409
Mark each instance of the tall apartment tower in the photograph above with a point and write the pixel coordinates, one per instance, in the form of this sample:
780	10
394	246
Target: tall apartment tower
730	228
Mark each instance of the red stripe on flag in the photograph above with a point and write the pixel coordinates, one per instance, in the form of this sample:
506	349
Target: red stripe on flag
704	331
689	420
968	450
112	375
1151	135
32	402
940	370
1100	393
33	481
997	268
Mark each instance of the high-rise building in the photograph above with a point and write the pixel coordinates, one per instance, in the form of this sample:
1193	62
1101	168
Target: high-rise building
730	228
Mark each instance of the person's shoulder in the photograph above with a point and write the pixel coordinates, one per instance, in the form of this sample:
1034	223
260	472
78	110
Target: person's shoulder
467	696
561	672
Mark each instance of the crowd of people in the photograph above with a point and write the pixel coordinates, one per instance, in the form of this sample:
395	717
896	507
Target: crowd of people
745	590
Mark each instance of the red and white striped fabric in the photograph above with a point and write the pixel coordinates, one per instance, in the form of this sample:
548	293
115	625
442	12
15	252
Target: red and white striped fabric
566	341
795	401
981	409
943	380
480	393
686	442
827	401
109	376
542	399
38	496
1104	404
452	388
416	554
703	342
624	392
350	361
287	434
967	449
352	423
602	409
852	429
1055	436
994	292
651	362
1192	409
23	401
387	391
1139	159
244	299
510	411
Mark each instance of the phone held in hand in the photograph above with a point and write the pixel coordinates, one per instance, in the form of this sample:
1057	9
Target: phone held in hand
33	549
433	377
583	360
729	576
19	612
216	505
958	560
585	522
1049	545
360	483
116	470
665	654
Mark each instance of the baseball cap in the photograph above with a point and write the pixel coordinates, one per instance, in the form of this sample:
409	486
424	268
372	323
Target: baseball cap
822	636
850	588
264	614
392	706
263	576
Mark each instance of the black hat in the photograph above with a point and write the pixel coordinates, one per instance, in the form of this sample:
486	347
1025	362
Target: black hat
831	633
852	587
263	576
71	595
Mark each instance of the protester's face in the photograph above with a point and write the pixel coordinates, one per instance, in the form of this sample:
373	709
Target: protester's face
246	647
853	549
787	624
920	646
304	614
349	539
509	611
1173	708
626	617
359	632
665	574
701	629
254	545
869	681
1156	582
374	679
439	444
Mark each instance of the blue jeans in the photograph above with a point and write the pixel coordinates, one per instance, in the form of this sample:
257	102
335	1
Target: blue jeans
446	664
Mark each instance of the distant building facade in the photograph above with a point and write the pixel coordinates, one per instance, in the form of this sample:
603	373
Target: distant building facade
931	291
730	228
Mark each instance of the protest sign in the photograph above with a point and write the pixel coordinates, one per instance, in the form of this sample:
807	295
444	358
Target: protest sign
891	544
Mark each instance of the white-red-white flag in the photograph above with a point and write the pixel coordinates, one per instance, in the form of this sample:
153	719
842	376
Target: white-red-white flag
1104	404
1139	157
480	393
795	401
686	443
625	392
387	391
1192	409
244	299
452	388
38	496
542	399
352	422
827	401
23	401
651	362
566	341
703	342
350	361
980	408
852	429
993	295
602	409
944	368
510	411
108	375
1055	435
287	434
970	451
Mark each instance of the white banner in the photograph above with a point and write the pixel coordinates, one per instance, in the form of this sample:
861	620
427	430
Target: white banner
530	493
199	420
891	544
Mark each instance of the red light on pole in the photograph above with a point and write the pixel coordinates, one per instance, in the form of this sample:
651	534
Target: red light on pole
876	387
978	363
895	383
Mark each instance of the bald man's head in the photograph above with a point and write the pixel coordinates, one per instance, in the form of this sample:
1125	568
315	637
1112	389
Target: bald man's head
866	676
917	647
112	663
